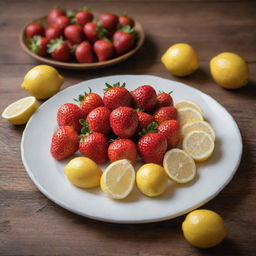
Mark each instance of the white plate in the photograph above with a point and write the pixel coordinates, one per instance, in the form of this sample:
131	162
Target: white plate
213	175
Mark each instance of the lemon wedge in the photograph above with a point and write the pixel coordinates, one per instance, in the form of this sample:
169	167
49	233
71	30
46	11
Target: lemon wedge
118	179
199	145
20	111
186	115
185	103
179	166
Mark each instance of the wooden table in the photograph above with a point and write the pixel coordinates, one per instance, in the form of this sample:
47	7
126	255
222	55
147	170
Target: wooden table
30	224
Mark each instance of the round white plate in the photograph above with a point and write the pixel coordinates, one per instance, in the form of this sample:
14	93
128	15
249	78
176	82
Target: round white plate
213	175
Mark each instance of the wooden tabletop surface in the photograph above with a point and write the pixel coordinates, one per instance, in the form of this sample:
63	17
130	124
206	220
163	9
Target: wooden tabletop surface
30	224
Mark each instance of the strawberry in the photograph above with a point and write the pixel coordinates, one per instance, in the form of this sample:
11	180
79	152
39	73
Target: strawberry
93	145
125	20
144	119
124	121
144	97
61	22
84	53
59	49
98	120
38	45
109	21
116	95
124	39
53	32
64	143
74	33
70	114
171	130
104	49
164	99
89	101
122	149
165	113
54	13
34	29
94	31
83	17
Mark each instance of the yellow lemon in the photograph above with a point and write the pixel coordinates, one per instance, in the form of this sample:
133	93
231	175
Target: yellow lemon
20	111
180	59
229	70
42	81
151	180
185	103
204	228
83	172
186	115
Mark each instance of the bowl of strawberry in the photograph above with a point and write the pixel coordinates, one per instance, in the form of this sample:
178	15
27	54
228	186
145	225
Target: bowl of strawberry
80	39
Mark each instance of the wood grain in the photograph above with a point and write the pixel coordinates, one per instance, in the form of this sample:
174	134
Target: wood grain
30	224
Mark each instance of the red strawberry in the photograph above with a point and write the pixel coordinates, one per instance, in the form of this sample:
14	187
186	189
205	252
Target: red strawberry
65	142
61	22
125	20
98	120
122	149
164	99
116	95
38	45
104	49
144	97
89	101
124	39
144	119
84	53
59	49
109	21
93	31
70	114
171	130
34	29
83	17
94	145
165	113
152	148
53	32
54	13
74	33
124	121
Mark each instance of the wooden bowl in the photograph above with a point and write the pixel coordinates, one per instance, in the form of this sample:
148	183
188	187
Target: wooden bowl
75	65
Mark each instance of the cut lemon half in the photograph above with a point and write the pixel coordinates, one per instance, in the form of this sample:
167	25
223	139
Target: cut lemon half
118	179
20	111
188	104
179	166
199	145
186	115
198	126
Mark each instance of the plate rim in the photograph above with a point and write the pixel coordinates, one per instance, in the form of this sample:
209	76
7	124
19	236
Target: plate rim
110	220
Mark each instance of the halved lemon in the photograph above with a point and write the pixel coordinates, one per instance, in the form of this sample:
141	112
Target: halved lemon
186	115
198	126
185	103
179	166
199	145
20	111
118	179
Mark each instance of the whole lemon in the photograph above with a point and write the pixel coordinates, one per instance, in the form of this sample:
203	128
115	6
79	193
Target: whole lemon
42	81
151	180
204	228
83	172
180	59
229	70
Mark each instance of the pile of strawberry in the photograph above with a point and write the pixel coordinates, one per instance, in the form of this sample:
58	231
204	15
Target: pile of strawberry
78	36
120	125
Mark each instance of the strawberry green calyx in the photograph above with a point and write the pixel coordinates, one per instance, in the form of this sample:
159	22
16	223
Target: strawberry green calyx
85	130
139	109
55	44
101	32
33	44
116	85
81	96
151	128
166	92
73	49
128	29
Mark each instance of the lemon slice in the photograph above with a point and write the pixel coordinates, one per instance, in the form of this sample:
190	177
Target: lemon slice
186	115
20	111
118	179
179	166
198	126
199	145
188	104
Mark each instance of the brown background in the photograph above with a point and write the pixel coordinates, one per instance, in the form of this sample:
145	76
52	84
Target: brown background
30	224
